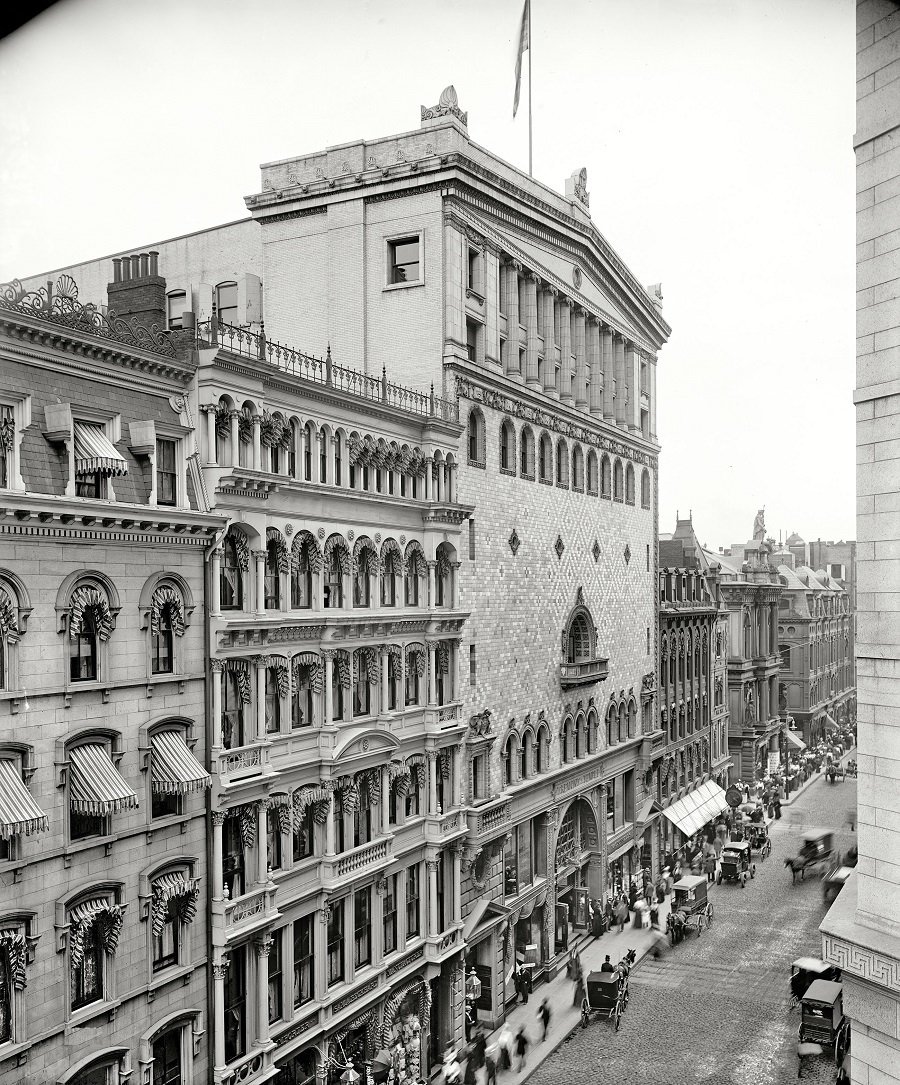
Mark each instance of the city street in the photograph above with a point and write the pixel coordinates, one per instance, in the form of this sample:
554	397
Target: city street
716	1009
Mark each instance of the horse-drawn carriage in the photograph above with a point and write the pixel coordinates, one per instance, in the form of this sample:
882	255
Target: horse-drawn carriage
850	768
606	996
816	853
822	1023
735	864
690	908
805	970
833	882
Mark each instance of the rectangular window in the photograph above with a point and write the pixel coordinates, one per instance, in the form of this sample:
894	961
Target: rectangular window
166	472
87	975
303	961
412	902
471	664
403	256
273	840
303	836
471	538
273	703
235	1005
89	485
165	946
163	805
389	913
7	436
227	303
362	921
472	340
479	777
473	269
276	979
648	557
336	943
412	800
648	640
610	811
176	303
233	857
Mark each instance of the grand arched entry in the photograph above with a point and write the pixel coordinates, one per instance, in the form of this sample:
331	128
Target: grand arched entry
578	871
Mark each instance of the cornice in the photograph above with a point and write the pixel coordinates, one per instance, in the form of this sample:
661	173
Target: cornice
45	516
69	348
518	401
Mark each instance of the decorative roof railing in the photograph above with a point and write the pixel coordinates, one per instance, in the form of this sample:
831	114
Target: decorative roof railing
255	345
60	305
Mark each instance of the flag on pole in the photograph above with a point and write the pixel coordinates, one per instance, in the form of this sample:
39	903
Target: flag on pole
524	44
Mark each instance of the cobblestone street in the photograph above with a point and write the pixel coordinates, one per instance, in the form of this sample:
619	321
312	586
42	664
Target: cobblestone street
716	1009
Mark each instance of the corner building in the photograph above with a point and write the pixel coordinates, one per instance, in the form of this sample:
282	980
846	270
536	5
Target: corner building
103	873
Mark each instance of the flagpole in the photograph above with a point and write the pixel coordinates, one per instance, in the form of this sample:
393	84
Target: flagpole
530	48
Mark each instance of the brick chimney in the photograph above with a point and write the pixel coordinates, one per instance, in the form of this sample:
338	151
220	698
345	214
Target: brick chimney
138	291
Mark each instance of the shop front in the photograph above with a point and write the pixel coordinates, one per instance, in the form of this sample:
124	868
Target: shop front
577	873
484	937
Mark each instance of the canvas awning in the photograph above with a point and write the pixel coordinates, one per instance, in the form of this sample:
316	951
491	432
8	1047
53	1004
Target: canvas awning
795	740
697	808
649	809
174	769
485	915
830	722
95	786
95	452
19	813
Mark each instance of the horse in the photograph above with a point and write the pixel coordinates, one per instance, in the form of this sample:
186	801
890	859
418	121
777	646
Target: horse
798	865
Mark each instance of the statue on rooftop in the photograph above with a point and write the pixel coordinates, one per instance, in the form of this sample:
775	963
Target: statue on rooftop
759	526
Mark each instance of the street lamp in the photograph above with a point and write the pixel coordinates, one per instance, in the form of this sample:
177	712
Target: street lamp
473	986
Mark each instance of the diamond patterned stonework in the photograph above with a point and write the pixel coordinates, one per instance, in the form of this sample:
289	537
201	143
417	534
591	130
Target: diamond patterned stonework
595	550
559	546
514	542
627	553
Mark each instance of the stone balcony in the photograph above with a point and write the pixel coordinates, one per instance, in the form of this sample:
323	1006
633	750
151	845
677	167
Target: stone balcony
235	919
583	673
242	763
365	859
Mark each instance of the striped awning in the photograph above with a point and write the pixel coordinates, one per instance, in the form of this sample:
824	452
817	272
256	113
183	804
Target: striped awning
795	740
95	452
95	786
174	769
19	813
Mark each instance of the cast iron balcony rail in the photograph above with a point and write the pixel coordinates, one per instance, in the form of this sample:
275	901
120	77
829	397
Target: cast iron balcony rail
255	345
583	672
61	306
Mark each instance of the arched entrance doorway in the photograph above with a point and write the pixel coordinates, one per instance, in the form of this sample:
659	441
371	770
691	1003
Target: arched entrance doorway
577	866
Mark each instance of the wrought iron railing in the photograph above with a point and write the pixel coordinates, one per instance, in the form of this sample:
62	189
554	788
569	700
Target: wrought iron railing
255	345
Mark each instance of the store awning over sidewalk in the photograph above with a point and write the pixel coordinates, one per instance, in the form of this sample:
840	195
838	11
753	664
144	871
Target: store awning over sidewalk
795	740
649	809
696	809
482	919
830	722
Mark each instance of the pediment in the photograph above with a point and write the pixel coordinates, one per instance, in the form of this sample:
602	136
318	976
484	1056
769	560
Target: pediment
366	742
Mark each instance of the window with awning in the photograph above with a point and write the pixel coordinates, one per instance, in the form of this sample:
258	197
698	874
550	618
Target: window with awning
95	453
95	786
20	815
173	768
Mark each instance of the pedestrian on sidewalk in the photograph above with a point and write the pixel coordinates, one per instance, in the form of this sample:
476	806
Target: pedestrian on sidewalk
490	1069
544	1017
709	867
505	1043
580	992
718	844
632	896
649	892
621	915
521	1046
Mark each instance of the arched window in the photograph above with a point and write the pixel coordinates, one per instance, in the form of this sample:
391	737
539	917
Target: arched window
306	683
235	694
443	575
526	756
416	570
390	570
645	489
94	922
565	741
592	477
509	761
577	469
309	437
592	728
336	559
580	736
629	484
612	731
323	455
526	453
507	446
546	459
305	560
223	430
365	673
363	564
235	561
618	481
245	435
632	719
476	438
167	620
272	574
605	477
579	640
623	723
542	750
562	463
90	623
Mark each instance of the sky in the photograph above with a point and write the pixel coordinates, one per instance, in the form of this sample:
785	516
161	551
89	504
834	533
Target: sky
717	136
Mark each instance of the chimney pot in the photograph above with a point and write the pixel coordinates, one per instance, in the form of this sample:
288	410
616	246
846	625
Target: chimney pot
145	265
135	266
117	269
154	262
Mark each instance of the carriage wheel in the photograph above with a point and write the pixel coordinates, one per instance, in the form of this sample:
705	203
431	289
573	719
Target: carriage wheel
585	1017
709	914
699	924
719	878
753	870
617	1014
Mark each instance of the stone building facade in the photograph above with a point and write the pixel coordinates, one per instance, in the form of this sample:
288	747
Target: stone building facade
692	683
450	287
861	932
814	642
103	873
751	590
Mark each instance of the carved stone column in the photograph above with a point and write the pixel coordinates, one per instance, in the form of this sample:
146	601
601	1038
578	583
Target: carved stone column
327	692
456	865
548	301
451	483
549	947
434	926
432	594
219	970
565	351
263	948
261	663
431	756
608	365
633	379
262	857
581	399
456	566
429	483
211	452
235	439
218	820
595	367
431	647
329	827
385	808
532	341
257	449
215	601
217	666
621	382
511	284
384	701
